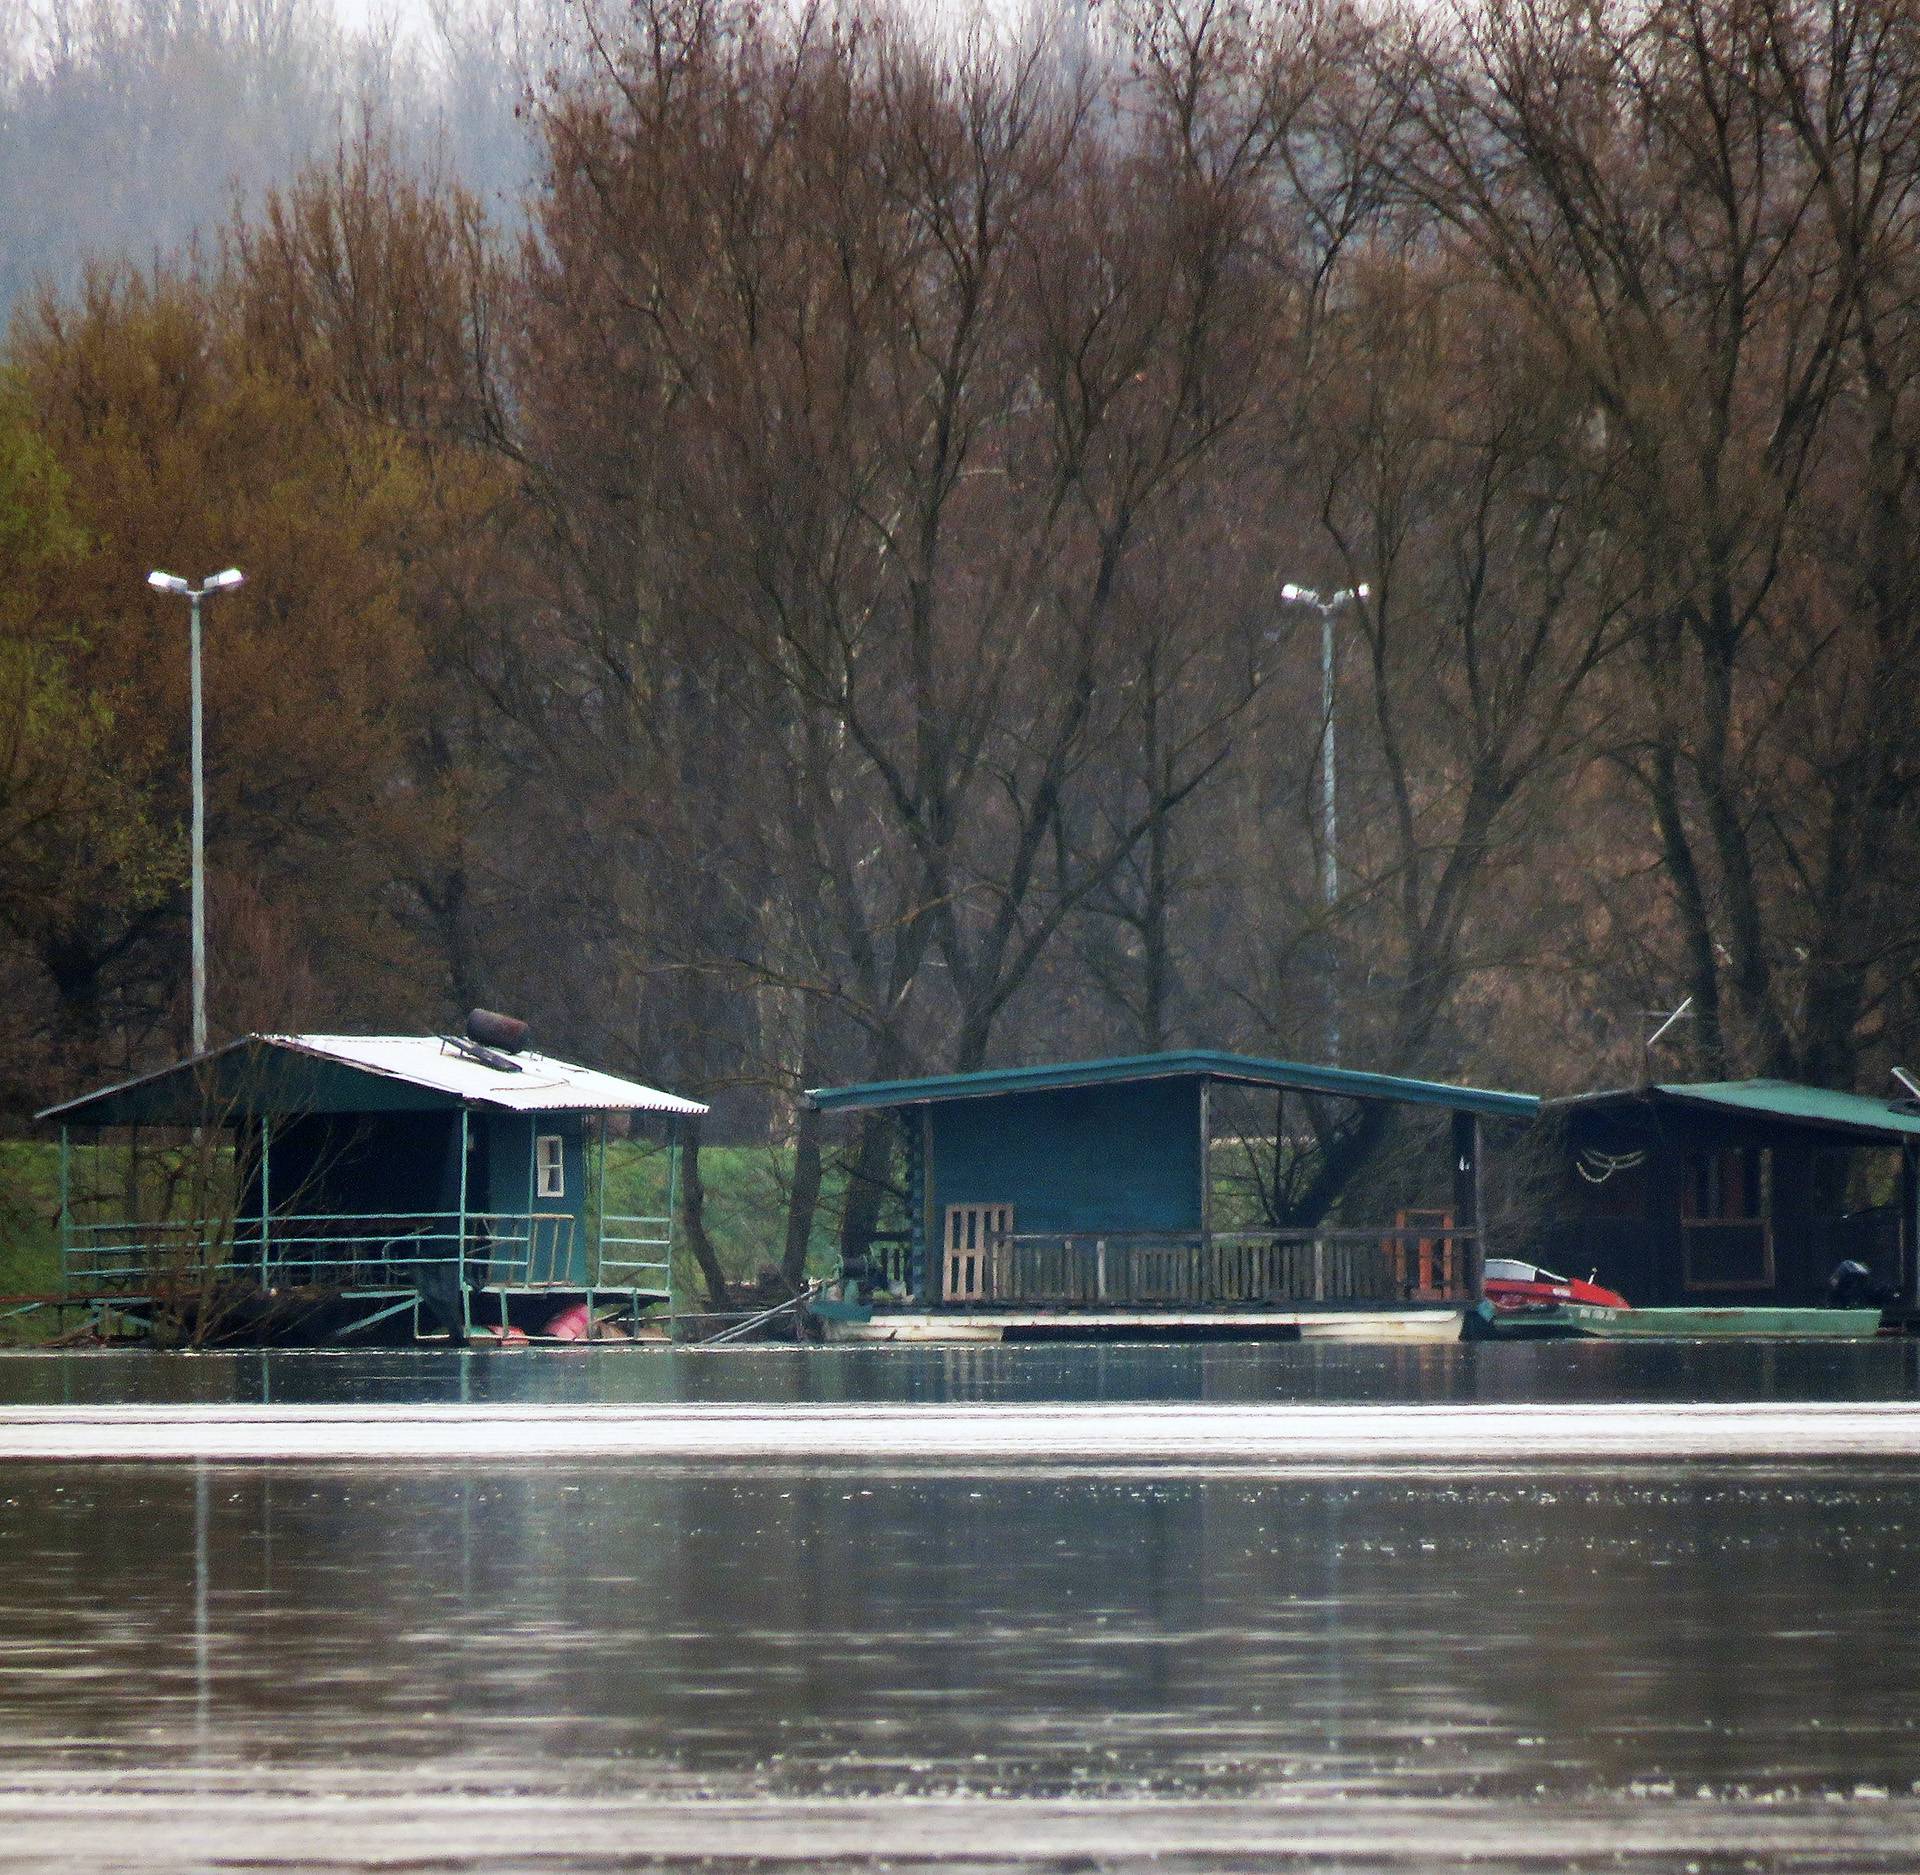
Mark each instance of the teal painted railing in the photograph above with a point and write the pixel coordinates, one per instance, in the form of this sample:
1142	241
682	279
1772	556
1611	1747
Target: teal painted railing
373	1250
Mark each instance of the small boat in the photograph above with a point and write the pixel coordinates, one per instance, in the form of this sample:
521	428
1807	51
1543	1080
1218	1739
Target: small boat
1514	1287
1527	1302
1736	1324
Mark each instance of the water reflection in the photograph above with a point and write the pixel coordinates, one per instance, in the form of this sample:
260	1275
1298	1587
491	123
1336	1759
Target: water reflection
1038	1636
440	1662
1543	1371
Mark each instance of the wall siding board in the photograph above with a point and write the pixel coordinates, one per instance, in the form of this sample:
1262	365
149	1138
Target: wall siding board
1106	1158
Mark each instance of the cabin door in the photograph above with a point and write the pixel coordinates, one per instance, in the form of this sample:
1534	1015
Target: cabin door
973	1232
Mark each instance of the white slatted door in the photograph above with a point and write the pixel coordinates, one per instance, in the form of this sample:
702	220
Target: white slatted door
972	1232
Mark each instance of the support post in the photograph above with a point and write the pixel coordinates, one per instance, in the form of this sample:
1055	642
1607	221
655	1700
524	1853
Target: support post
600	1206
1206	1167
675	1147
931	1247
1909	1226
1467	1204
913	1151
66	1204
460	1250
266	1198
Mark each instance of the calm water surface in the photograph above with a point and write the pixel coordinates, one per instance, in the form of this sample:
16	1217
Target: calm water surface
1671	1666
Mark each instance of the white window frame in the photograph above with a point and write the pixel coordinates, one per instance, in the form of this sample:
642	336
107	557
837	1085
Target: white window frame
549	1165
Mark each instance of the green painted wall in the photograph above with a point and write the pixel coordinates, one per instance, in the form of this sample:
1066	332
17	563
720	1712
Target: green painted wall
1112	1158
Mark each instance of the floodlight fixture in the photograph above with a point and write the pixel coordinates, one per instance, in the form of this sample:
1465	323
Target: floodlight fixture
232	577
167	582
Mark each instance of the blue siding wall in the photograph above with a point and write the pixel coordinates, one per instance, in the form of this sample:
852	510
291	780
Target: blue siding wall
1114	1158
510	1179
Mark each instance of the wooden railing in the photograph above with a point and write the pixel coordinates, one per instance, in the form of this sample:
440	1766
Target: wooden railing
1392	1264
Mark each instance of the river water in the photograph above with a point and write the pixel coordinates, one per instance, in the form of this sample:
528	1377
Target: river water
879	1646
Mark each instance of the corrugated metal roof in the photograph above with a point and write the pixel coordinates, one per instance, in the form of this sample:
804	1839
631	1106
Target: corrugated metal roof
541	1084
1211	1064
1791	1101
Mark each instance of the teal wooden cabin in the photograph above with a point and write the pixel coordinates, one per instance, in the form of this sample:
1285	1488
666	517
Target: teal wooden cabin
427	1177
1091	1184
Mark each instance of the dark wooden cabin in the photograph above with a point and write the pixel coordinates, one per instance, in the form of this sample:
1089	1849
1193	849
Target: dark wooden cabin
1731	1193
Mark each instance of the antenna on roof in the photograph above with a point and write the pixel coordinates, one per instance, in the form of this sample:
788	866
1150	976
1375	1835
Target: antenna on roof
1646	1048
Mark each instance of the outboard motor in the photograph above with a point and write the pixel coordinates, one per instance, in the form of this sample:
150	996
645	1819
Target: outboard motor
1851	1286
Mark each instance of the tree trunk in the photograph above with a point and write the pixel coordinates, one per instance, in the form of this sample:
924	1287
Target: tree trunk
693	1216
804	1197
866	1185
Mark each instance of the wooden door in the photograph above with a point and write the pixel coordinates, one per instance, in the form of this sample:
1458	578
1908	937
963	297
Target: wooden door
973	1231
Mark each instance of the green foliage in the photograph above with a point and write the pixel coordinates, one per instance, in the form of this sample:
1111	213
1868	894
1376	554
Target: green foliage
72	821
746	1208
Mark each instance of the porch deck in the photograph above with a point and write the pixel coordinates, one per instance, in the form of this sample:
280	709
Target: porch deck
1380	1267
390	1262
1331	1322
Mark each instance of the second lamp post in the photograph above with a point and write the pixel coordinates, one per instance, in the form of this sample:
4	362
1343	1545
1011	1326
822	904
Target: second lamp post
218	582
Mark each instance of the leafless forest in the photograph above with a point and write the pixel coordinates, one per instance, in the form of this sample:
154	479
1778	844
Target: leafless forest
765	536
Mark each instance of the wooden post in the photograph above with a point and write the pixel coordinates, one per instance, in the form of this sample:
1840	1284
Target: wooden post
1206	1164
1909	1227
1467	1204
923	1283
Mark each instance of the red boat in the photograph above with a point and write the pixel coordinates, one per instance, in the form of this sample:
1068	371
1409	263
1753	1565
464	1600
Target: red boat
1513	1286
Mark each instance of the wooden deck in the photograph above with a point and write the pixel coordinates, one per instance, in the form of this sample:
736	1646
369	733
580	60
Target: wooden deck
1415	1324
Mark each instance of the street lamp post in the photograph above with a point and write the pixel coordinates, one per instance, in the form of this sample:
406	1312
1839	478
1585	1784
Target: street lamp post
218	582
1329	793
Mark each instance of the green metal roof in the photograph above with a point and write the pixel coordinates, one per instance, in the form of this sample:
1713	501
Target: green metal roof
1813	1106
1207	1063
1791	1102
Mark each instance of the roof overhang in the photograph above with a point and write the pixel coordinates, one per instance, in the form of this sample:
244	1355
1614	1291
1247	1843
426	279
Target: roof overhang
1778	1104
1196	1064
303	1074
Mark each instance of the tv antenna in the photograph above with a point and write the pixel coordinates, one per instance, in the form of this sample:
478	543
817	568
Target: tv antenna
1646	1048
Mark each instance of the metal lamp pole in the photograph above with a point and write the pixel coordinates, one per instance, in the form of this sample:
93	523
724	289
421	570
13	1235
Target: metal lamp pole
1329	795
219	582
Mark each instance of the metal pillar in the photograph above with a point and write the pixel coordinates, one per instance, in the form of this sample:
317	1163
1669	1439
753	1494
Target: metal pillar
600	1205
266	1200
199	841
1330	829
460	1256
1468	1205
66	1204
676	1145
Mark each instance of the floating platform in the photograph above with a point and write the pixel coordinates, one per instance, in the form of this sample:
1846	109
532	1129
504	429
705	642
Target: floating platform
1588	1321
842	1323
